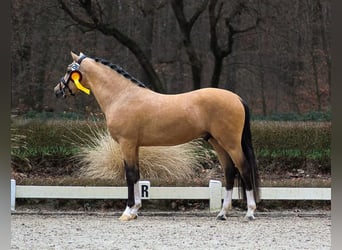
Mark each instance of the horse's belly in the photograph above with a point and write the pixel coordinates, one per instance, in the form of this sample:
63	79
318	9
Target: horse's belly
165	136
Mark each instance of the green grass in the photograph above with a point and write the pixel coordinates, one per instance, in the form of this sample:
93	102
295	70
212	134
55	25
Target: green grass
295	153
46	151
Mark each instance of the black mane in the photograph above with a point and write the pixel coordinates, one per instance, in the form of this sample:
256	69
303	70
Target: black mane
121	71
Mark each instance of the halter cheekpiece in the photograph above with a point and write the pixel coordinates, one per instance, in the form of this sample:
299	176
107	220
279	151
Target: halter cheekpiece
76	76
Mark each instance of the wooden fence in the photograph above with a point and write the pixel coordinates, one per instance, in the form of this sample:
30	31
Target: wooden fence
214	193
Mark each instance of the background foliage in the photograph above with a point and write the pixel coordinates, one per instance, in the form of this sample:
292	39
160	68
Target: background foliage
274	53
47	148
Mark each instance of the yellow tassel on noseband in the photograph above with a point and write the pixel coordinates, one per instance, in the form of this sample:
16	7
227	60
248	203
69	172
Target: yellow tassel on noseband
75	76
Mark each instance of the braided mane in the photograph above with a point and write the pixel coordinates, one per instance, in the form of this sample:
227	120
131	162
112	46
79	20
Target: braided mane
121	71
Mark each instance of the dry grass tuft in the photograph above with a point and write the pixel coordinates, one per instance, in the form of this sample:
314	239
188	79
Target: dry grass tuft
100	157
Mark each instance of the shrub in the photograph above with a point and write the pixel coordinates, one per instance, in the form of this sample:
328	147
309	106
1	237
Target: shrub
85	149
53	147
296	144
318	116
44	145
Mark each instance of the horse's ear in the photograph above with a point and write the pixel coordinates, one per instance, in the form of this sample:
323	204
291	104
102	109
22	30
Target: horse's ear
74	56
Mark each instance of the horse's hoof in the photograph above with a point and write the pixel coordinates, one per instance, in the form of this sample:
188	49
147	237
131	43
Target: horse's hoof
248	218
126	217
221	217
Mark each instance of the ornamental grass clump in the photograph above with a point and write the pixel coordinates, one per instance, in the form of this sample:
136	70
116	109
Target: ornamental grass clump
100	157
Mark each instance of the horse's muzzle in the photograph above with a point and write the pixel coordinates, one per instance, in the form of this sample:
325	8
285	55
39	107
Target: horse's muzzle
59	92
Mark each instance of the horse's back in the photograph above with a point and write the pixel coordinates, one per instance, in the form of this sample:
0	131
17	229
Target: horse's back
218	93
220	102
208	105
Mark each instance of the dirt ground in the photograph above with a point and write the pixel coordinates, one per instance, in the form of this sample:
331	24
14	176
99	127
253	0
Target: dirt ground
280	230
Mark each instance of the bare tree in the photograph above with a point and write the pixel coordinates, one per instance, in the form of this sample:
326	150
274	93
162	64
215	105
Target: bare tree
95	20
220	46
186	25
275	54
225	48
318	49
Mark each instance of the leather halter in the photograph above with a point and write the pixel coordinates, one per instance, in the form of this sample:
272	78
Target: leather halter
74	69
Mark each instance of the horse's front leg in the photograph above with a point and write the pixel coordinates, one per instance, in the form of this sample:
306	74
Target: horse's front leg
132	177
134	200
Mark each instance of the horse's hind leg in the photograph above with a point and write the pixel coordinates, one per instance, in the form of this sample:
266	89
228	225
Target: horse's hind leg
246	174
230	172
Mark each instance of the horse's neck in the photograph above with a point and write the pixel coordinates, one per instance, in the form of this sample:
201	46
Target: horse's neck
107	85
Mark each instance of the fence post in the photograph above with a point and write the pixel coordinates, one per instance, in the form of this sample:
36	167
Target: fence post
144	189
13	185
215	195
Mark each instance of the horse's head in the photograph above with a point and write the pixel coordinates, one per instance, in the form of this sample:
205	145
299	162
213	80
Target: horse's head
71	81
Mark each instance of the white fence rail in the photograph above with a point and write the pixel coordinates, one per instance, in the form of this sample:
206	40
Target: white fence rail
214	193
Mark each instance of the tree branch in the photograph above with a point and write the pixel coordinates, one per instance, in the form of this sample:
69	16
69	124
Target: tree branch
198	12
111	30
220	52
186	27
75	17
213	19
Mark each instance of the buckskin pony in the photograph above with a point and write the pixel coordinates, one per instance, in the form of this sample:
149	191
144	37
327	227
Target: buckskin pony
137	116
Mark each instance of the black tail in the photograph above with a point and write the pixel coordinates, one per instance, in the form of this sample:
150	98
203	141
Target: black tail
247	147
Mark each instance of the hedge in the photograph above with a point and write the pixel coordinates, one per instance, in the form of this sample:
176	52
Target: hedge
279	146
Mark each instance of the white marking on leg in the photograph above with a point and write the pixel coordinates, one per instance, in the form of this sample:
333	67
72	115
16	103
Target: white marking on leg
227	204
132	212
127	211
137	199
251	206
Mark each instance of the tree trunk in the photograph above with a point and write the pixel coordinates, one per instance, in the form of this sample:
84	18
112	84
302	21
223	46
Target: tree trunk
185	27
111	30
